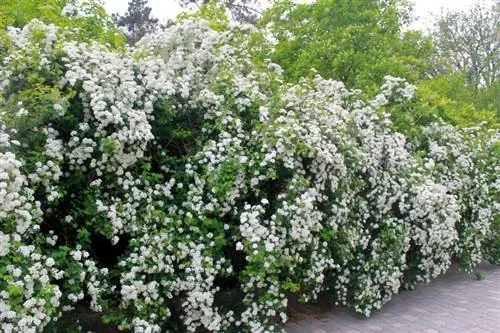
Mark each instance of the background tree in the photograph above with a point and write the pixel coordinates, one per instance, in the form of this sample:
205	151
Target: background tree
469	42
468	49
355	41
240	10
137	21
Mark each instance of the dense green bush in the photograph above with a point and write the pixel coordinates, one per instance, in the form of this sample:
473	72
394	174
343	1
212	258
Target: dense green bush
177	186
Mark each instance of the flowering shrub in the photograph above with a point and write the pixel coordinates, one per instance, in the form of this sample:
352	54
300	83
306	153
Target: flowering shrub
462	162
175	187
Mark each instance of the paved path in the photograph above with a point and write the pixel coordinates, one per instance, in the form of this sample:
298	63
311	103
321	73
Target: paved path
453	303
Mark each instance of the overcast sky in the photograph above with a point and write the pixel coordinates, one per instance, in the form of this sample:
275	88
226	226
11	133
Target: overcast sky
164	9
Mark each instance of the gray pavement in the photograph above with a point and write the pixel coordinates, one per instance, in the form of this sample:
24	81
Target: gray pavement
455	302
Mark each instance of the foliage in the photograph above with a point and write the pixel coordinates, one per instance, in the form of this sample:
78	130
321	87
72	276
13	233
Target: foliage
448	97
356	42
18	13
137	21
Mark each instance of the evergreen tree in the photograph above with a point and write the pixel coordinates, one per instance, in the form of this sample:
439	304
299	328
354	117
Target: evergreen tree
137	21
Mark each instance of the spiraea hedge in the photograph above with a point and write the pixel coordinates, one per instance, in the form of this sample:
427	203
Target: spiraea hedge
177	186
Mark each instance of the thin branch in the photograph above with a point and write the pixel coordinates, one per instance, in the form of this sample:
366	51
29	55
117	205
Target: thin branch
245	7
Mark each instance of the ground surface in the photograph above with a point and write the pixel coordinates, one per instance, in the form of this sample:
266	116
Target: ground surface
453	303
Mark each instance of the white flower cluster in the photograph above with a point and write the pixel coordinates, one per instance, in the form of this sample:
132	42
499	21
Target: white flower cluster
460	161
116	108
433	215
219	181
18	209
393	89
30	290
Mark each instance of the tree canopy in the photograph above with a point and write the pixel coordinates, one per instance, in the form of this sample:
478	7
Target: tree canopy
468	42
467	56
239	10
357	42
137	21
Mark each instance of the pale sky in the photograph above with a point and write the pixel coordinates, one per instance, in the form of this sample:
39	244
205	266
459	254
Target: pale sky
164	9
